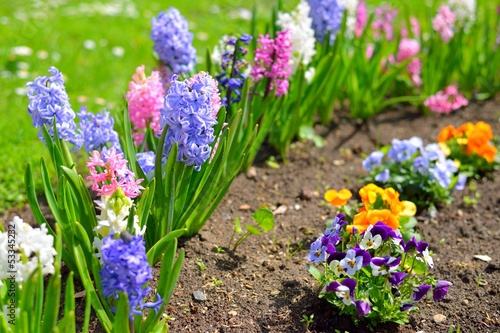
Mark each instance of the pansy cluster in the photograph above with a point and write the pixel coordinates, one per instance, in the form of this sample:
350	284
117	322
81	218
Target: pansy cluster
377	205
233	66
422	174
190	112
373	272
471	145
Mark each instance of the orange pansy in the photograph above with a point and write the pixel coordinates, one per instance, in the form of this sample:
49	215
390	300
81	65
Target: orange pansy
339	198
446	133
363	219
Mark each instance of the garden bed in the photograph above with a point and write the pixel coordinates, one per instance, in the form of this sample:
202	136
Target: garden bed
264	285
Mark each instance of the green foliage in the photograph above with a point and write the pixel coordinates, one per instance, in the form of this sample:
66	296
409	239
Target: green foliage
264	220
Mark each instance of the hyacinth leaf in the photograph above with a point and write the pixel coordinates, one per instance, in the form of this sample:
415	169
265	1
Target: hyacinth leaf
67	324
52	300
49	192
83	270
144	205
264	218
84	200
32	198
121	321
160	327
169	273
159	248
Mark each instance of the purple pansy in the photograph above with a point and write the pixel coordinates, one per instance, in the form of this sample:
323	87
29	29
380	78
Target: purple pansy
440	290
373	160
420	292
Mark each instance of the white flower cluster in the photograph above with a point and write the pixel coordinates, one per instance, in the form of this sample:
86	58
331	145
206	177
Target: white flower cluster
32	246
351	8
300	25
113	219
465	12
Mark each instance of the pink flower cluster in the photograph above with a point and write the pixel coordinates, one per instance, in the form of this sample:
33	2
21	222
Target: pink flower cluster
272	61
114	175
145	98
446	101
414	27
443	23
384	20
409	48
361	18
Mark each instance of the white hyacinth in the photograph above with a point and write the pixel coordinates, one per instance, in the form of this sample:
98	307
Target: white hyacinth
465	12
115	210
32	246
351	8
300	25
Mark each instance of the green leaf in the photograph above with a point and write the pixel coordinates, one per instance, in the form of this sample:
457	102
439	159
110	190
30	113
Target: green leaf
252	229
237	225
158	249
121	320
316	273
264	218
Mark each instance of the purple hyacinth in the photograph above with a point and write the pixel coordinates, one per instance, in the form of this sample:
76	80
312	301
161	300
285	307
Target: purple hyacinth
190	111
127	270
146	161
326	18
440	290
232	66
373	160
173	41
98	130
48	99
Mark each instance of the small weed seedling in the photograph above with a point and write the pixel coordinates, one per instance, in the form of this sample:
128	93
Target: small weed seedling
308	320
218	249
216	282
474	199
291	253
264	219
201	264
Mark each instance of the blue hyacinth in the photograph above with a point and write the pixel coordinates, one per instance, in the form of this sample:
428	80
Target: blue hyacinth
48	99
326	18
146	161
189	110
126	269
173	41
98	130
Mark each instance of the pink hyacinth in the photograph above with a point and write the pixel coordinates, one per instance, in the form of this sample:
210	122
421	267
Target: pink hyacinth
272	61
384	20
443	23
145	98
414	68
415	29
446	101
409	48
115	173
361	18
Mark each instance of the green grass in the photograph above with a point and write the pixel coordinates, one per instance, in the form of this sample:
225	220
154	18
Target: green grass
95	78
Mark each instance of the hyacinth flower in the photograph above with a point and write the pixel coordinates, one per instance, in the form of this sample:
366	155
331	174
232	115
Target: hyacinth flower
33	247
444	22
233	67
190	111
48	101
272	62
361	19
446	101
146	161
465	12
126	269
384	21
326	18
408	48
173	41
145	98
299	23
351	11
115	174
97	130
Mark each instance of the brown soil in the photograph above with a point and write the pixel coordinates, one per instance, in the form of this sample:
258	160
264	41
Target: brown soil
264	285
